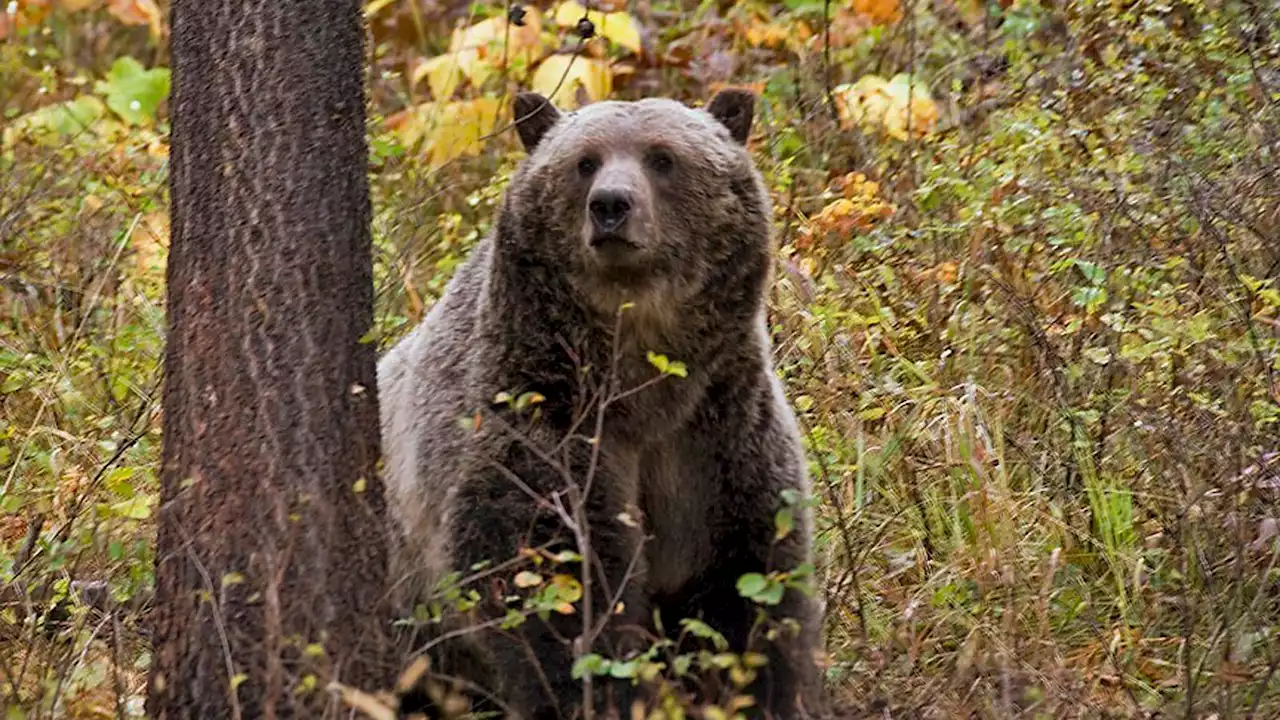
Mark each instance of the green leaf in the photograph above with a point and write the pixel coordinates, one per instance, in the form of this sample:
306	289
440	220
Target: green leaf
704	631
58	121
527	399
566	556
784	521
761	589
118	482
665	365
623	670
137	507
1091	271
1089	297
772	595
1099	355
751	584
872	413
589	663
681	664
724	660
133	92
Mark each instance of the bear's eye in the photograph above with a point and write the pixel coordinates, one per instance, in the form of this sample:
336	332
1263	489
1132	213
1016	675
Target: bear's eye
588	165
661	160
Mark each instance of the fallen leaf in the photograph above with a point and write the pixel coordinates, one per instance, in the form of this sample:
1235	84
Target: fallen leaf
150	239
60	121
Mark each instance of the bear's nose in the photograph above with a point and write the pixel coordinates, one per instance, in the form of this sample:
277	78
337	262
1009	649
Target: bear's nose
609	209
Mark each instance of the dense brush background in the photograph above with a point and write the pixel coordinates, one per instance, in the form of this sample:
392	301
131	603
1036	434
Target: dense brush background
1026	306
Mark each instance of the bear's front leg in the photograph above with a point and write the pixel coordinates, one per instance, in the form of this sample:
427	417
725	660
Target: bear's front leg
753	461
497	518
788	681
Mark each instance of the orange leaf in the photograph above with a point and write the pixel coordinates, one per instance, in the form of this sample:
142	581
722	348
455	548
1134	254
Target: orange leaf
137	12
882	12
755	87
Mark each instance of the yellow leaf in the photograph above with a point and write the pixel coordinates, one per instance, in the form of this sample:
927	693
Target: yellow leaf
620	28
765	34
568	587
447	130
373	7
893	106
559	76
488	36
475	52
150	239
445	72
72	6
370	705
526	579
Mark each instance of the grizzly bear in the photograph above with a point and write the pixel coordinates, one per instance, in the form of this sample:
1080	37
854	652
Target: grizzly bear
530	409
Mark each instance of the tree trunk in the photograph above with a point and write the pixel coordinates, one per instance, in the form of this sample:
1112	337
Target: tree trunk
271	569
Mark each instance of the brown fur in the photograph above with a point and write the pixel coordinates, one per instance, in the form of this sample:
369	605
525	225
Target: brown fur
700	459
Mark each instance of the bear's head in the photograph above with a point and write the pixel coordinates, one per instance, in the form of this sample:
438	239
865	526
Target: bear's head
651	202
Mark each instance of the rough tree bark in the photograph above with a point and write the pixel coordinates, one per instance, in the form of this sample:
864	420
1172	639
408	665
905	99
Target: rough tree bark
271	540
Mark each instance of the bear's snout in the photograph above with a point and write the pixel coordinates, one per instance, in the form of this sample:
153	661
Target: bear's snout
610	208
618	213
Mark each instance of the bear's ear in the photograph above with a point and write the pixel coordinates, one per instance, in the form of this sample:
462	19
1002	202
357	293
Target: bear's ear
535	115
735	109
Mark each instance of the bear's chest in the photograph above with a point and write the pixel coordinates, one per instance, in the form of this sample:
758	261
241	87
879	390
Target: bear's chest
676	497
